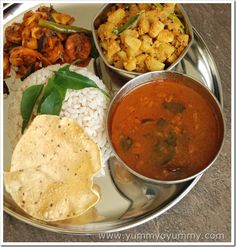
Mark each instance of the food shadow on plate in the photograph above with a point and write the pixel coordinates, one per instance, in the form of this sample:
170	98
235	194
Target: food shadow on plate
143	196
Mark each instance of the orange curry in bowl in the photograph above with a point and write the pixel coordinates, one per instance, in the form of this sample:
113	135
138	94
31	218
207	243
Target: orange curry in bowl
166	130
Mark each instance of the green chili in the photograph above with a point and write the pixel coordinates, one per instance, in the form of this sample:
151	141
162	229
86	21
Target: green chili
129	24
62	28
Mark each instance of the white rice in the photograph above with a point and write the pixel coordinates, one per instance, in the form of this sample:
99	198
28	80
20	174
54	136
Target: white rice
88	107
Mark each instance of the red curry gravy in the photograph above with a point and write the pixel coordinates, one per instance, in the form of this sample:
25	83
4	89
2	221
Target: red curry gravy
166	130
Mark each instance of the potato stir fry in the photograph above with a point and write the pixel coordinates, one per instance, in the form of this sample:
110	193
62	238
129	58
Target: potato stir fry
44	37
142	37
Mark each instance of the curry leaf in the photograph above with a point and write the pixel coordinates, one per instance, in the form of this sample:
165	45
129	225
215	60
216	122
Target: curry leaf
49	88
28	101
174	107
159	5
161	123
52	103
72	80
61	91
126	143
68	79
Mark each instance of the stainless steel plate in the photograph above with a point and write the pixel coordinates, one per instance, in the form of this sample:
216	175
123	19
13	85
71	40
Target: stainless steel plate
126	201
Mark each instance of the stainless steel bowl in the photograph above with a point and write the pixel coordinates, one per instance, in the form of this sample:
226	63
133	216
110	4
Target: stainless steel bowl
102	16
174	76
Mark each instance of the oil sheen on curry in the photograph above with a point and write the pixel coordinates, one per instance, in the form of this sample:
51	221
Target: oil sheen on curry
166	130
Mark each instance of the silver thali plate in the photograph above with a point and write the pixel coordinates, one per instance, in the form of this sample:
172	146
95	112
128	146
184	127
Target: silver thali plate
126	201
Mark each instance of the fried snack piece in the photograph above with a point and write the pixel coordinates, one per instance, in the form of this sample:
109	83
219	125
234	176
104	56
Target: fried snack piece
52	169
78	46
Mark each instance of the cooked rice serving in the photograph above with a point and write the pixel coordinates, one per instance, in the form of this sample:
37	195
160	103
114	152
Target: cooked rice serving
88	107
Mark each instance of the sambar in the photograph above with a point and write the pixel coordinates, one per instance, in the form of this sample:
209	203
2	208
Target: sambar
167	129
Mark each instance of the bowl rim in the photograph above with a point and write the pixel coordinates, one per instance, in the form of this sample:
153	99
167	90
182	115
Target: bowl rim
132	74
146	81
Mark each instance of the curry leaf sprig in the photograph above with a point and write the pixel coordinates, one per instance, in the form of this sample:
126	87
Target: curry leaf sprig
48	99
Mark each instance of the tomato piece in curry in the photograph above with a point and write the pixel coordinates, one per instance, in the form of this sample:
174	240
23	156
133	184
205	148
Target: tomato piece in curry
166	130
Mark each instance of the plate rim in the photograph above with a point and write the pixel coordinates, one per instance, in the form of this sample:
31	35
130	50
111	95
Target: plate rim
152	215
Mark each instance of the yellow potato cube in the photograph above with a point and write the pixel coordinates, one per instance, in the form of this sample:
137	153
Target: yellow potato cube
132	42
155	29
172	58
105	31
128	32
141	65
112	48
144	26
153	64
164	51
152	15
122	55
165	36
133	52
130	64
117	16
146	45
183	39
